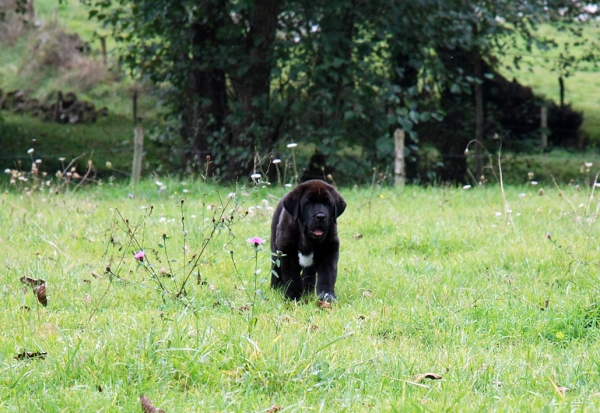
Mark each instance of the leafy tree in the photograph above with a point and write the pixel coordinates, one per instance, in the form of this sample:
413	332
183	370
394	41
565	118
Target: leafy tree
245	77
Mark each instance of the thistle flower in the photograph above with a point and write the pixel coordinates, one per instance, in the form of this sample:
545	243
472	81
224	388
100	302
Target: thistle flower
256	241
139	255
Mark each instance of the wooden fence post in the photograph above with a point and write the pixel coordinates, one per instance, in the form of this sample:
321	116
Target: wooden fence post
399	165
544	126
103	46
138	152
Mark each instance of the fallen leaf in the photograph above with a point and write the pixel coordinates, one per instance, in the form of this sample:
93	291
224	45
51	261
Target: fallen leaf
357	236
40	293
274	409
26	355
324	304
147	406
563	389
32	282
367	294
431	376
95	274
546	305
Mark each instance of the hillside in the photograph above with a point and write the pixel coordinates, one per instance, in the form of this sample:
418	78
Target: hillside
61	51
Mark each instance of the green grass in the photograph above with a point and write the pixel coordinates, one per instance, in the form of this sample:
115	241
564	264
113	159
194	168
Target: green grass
110	140
440	280
581	87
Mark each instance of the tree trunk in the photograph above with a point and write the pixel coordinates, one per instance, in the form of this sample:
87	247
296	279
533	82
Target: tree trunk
336	42
204	106
477	91
253	87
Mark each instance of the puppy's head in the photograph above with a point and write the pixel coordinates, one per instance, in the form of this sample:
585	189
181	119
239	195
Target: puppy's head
315	205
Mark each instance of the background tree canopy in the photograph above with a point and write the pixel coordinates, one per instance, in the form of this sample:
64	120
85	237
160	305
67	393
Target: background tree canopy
245	77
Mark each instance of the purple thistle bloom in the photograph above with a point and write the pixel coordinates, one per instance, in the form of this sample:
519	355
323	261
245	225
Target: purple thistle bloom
256	241
139	255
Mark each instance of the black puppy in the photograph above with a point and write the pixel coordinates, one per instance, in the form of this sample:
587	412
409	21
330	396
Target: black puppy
305	242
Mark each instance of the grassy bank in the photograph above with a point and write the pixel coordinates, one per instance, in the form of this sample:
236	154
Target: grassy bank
495	294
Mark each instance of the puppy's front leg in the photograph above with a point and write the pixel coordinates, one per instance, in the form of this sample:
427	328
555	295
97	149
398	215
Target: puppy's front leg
326	279
289	275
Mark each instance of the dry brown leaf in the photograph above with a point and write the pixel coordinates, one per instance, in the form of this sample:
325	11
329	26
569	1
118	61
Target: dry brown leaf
40	293
431	376
546	305
147	406
357	236
274	409
26	355
32	282
324	304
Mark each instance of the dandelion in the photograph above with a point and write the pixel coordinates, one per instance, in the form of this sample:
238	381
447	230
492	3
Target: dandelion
256	241
292	145
139	255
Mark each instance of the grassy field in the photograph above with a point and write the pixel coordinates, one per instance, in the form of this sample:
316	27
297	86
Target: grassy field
582	86
496	294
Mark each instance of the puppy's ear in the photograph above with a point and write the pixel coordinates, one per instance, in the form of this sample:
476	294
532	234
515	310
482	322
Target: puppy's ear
339	205
291	202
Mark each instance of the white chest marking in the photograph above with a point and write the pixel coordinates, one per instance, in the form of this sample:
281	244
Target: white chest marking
306	260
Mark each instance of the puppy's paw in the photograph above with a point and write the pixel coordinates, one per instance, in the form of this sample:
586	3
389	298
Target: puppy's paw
329	297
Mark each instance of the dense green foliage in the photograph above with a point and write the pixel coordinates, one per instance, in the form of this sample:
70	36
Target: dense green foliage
249	76
497	294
